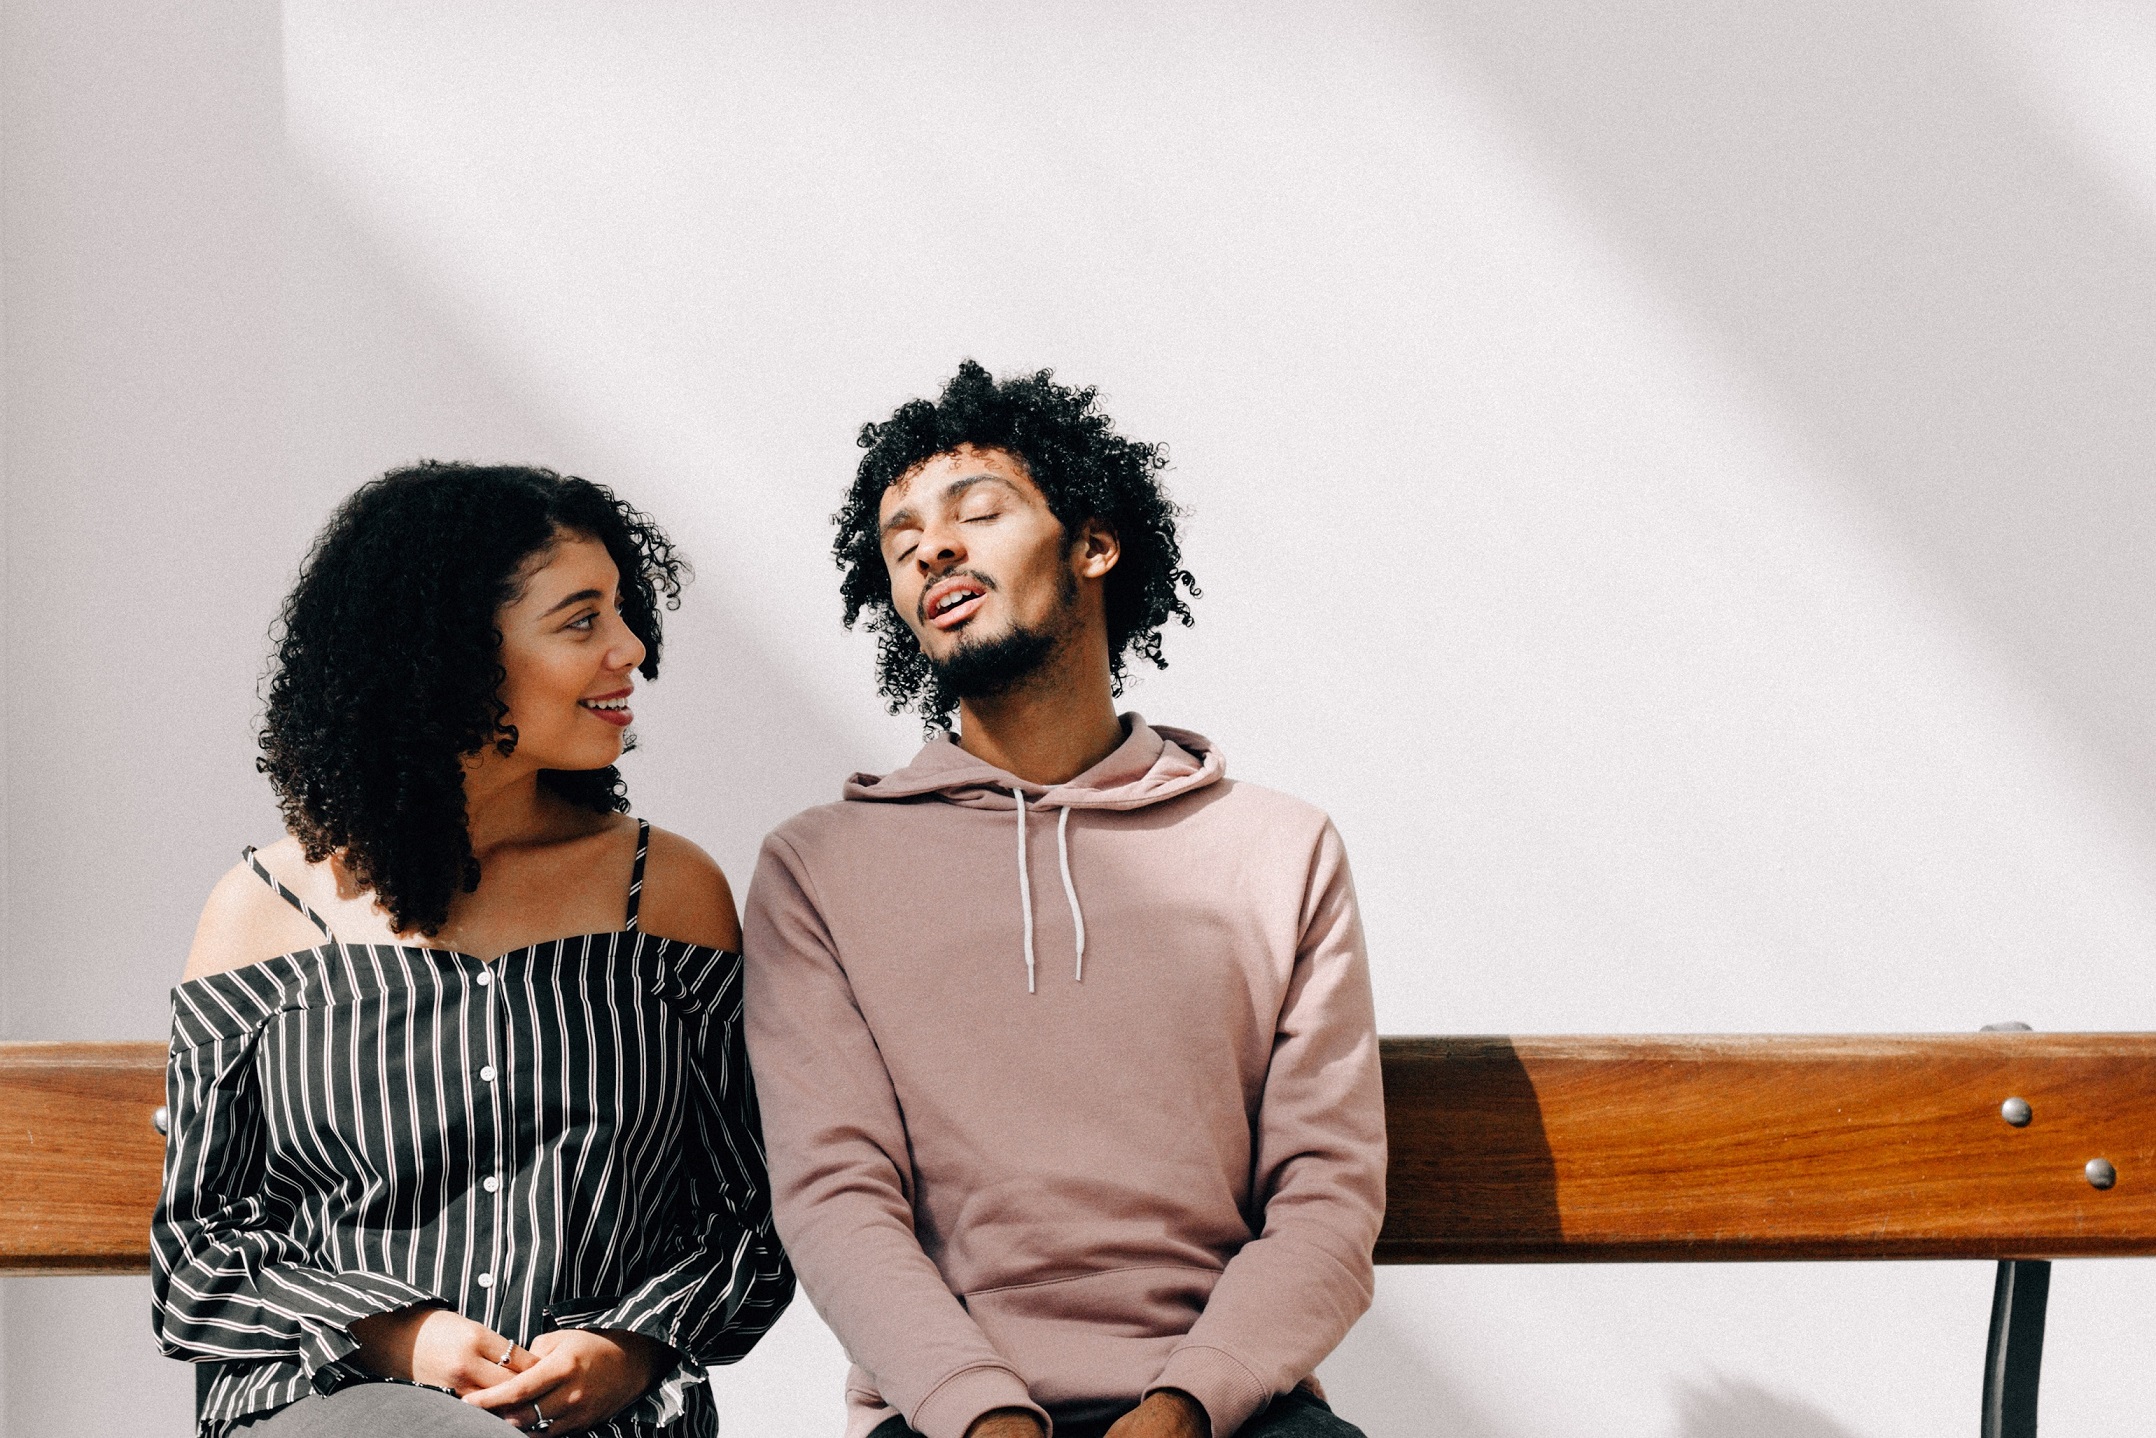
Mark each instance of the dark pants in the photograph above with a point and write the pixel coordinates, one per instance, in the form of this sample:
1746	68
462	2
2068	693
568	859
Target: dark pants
1295	1414
376	1410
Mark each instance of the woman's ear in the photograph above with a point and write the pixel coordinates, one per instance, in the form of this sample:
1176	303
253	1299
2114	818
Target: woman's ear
1095	550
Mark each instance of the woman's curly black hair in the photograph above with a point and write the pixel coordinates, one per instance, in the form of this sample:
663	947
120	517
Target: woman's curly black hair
1084	469
387	672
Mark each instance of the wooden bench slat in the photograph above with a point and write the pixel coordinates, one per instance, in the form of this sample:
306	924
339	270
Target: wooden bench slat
1503	1150
80	1165
1720	1149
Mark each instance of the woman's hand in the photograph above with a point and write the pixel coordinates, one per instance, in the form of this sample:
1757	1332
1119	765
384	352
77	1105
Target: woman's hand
580	1376
438	1347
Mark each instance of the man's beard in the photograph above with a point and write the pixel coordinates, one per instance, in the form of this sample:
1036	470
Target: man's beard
992	668
995	667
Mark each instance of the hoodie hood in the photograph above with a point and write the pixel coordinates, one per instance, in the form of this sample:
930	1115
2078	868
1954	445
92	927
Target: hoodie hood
1150	765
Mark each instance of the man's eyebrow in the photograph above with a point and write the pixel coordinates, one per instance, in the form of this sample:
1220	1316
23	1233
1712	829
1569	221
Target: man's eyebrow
577	598
903	516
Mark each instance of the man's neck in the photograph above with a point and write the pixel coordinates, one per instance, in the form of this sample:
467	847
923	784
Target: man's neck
1050	730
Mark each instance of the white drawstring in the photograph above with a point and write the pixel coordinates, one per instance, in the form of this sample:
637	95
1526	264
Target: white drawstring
1025	885
1070	890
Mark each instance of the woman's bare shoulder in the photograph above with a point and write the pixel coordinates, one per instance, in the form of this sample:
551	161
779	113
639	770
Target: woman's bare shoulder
246	921
686	895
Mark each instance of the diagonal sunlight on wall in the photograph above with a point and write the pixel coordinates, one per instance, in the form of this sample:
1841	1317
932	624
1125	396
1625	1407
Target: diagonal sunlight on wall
2091	64
1630	720
1391	366
1940	291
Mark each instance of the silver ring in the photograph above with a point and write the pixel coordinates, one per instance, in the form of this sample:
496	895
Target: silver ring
540	1422
503	1361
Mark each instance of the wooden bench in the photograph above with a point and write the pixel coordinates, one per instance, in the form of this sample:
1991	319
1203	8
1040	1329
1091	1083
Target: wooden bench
2016	1147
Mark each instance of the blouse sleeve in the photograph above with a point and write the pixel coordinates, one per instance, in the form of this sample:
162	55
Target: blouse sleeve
228	1281
725	1279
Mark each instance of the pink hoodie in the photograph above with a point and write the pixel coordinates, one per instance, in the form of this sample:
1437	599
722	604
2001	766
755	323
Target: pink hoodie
1070	1100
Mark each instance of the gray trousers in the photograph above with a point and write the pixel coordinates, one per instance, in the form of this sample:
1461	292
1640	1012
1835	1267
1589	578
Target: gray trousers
376	1410
1295	1414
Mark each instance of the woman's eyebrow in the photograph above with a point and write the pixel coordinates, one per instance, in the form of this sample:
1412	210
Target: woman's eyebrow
577	598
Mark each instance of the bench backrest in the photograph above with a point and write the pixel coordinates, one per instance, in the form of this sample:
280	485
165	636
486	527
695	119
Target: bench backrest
1708	1148
1503	1150
80	1165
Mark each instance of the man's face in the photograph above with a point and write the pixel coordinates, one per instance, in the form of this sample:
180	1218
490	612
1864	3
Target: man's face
981	569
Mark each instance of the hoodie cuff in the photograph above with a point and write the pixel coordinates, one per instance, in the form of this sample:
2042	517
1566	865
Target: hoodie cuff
952	1405
1227	1390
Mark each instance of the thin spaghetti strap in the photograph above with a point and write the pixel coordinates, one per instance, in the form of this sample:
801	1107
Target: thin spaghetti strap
286	894
636	875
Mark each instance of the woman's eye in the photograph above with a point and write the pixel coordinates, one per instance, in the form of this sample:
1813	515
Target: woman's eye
584	623
978	518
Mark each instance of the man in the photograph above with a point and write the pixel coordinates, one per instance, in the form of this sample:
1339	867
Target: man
1063	1039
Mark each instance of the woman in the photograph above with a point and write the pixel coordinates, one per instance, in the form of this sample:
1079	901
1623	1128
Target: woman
458	1096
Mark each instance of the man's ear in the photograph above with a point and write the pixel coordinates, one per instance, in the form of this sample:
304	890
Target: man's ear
1095	550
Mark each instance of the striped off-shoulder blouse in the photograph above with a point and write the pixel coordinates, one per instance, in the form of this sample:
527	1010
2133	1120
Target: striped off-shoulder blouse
562	1137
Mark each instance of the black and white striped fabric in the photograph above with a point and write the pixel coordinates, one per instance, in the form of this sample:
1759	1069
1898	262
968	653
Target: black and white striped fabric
563	1137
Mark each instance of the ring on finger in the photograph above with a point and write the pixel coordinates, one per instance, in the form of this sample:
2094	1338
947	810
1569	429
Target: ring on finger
503	1361
540	1422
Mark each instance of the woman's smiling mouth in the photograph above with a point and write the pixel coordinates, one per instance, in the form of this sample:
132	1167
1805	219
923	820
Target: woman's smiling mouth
613	708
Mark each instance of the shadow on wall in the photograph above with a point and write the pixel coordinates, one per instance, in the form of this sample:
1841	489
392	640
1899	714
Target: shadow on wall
1728	1408
1924	276
1382	1381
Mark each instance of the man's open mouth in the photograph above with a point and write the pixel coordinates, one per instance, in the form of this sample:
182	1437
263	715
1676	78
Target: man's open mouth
953	602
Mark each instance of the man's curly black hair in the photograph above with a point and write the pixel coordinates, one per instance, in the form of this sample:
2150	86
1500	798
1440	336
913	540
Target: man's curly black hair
1084	469
387	672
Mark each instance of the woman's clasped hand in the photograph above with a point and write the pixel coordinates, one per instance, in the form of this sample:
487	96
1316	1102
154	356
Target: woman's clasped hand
568	1380
575	1377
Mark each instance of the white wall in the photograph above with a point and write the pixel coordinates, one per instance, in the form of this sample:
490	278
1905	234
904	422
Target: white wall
146	543
1671	483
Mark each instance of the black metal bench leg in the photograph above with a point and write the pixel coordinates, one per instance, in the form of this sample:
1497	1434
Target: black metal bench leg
2015	1355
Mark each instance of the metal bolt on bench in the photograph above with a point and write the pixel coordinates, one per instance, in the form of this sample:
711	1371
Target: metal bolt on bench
2014	1352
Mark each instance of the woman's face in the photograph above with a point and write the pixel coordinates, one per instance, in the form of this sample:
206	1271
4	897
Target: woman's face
568	660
